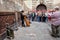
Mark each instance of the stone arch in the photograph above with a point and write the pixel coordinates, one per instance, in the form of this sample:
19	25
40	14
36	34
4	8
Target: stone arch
41	7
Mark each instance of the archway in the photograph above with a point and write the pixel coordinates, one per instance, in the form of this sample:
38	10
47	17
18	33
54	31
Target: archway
41	7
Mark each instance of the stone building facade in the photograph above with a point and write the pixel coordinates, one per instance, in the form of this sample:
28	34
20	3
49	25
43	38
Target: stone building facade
22	4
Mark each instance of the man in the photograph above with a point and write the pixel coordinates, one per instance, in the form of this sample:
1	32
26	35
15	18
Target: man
43	17
33	16
22	18
39	16
46	15
55	22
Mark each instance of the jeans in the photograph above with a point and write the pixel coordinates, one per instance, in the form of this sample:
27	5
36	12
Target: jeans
46	19
38	18
33	18
43	19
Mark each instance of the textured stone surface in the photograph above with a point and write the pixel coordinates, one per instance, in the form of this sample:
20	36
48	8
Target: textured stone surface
37	31
9	5
12	5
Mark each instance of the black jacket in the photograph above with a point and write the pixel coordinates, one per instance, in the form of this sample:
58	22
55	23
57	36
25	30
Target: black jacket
22	16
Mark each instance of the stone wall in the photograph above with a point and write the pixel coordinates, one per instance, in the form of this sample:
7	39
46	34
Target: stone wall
5	17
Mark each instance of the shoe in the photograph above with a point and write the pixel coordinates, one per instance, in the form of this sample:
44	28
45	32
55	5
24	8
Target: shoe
53	35
58	36
9	38
23	26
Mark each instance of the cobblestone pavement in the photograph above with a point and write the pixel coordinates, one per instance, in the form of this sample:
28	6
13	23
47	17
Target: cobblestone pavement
37	31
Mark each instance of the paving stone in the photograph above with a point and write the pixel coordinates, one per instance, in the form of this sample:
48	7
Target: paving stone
37	31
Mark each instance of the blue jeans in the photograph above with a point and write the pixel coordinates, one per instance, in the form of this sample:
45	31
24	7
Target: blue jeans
38	18
33	18
46	19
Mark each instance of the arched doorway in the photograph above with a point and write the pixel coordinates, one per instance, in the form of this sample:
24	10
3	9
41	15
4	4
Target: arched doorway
41	7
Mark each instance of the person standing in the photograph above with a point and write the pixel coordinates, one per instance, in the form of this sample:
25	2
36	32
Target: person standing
43	17
46	15
55	22
39	16
22	18
33	16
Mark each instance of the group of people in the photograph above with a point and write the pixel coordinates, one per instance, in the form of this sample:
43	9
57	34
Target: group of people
52	16
38	16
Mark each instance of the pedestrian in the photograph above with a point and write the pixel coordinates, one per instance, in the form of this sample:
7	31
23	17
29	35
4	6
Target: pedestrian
29	15
39	16
46	15
43	17
55	22
33	16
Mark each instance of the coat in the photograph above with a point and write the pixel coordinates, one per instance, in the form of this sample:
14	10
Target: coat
55	18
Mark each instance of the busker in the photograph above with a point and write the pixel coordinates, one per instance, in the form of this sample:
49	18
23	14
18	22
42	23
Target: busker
55	22
26	20
22	18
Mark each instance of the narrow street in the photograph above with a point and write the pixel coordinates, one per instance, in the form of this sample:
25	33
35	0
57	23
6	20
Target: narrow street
16	13
37	31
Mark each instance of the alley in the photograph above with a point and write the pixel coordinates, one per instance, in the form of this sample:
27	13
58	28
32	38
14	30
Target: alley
17	13
37	31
